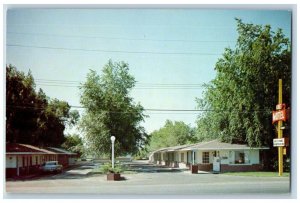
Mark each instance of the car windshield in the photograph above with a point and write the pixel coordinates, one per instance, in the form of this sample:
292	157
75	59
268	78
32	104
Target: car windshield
51	163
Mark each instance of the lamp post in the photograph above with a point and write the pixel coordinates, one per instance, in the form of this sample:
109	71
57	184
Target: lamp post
112	138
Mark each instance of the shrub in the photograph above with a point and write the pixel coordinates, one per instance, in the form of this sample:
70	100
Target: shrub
107	168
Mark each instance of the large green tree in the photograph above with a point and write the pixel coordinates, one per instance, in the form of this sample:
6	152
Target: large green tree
74	143
110	111
240	100
172	134
32	117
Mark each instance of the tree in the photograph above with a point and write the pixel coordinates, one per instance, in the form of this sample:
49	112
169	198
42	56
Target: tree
74	143
244	93
32	117
172	134
110	111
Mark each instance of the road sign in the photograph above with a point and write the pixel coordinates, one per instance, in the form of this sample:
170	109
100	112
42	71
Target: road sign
279	142
280	106
279	115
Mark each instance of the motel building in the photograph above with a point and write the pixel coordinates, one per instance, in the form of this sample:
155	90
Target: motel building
214	156
24	159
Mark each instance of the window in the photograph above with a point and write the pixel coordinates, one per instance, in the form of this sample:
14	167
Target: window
239	157
182	157
205	157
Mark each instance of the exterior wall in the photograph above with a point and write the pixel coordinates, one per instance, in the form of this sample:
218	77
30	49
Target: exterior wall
21	165
240	167
72	160
11	161
198	157
205	167
252	160
254	157
224	155
63	160
184	160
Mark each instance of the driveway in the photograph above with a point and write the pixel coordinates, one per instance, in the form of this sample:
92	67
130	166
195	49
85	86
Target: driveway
147	179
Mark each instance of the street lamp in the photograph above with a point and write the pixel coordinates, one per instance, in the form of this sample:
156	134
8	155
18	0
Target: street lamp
112	138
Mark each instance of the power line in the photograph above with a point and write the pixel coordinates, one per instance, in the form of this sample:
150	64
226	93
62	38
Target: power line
121	38
135	88
71	82
111	51
78	84
156	110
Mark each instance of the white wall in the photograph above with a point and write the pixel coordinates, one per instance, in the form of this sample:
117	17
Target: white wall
11	161
199	155
184	156
224	155
254	156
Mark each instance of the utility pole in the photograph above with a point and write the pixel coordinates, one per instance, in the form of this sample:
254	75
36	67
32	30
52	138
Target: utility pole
279	130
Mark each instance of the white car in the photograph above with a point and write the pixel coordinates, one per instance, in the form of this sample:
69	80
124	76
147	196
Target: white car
51	166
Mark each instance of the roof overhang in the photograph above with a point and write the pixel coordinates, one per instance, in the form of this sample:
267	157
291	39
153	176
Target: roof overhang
217	149
27	153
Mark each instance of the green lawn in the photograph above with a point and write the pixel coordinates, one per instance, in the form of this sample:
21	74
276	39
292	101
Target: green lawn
257	174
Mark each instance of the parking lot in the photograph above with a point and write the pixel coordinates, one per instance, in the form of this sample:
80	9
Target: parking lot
148	180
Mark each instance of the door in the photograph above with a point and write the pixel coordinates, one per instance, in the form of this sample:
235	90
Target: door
216	164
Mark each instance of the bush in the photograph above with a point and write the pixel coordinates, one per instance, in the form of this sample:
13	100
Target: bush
107	168
286	165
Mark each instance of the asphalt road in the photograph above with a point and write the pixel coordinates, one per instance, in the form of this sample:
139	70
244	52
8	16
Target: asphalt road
148	181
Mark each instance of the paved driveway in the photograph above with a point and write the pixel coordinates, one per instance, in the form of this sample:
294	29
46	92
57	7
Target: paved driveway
149	180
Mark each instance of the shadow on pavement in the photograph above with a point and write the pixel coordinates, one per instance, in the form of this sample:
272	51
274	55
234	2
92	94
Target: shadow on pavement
73	172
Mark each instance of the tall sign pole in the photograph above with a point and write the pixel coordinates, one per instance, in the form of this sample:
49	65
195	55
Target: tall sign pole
279	130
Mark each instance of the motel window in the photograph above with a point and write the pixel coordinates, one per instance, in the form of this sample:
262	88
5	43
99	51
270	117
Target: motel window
239	157
205	157
36	160
23	161
182	157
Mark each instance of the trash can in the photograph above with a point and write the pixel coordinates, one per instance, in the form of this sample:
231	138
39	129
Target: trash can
194	168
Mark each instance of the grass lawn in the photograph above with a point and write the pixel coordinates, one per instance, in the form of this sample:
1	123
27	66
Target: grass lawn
257	174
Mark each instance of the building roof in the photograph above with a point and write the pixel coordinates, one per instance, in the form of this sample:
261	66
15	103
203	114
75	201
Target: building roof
217	145
16	148
208	145
175	148
60	151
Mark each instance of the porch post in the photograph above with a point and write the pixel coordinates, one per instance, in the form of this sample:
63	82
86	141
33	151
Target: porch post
18	173
193	153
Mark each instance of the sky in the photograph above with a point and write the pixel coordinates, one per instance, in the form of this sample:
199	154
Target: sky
170	52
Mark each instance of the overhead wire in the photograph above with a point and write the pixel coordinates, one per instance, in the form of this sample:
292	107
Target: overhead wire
121	38
152	110
112	51
65	83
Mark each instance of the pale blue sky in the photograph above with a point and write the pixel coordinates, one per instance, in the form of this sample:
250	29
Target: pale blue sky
162	46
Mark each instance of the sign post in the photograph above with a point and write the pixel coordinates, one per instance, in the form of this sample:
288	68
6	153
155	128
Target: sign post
279	130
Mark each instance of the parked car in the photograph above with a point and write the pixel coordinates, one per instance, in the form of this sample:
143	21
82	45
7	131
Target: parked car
51	166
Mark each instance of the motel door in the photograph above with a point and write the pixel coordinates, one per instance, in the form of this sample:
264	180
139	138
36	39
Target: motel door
216	164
